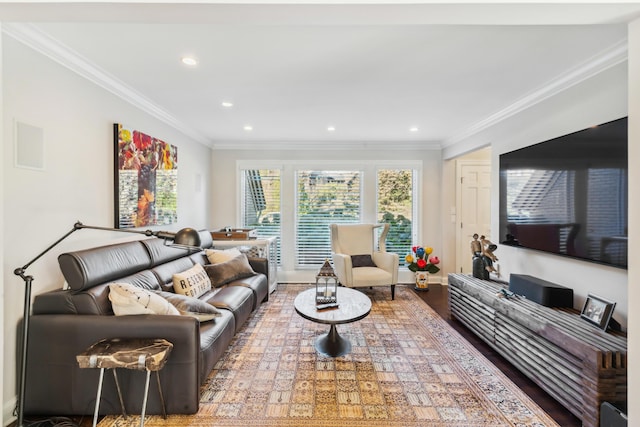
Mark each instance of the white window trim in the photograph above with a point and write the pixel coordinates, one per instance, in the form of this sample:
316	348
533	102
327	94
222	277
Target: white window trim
368	168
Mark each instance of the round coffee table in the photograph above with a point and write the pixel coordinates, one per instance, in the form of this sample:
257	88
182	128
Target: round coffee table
353	306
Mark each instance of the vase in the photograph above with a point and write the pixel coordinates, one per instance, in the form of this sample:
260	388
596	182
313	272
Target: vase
422	281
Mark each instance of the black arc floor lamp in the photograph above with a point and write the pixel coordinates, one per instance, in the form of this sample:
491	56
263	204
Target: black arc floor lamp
187	238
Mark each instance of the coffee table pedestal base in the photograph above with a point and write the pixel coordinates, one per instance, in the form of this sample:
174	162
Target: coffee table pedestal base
332	344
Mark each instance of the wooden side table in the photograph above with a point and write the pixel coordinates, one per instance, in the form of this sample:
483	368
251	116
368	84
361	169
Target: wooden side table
143	354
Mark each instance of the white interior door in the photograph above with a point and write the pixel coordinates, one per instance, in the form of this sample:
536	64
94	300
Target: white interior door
473	207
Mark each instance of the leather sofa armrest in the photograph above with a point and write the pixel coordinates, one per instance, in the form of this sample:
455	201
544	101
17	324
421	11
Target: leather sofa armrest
55	383
260	265
44	330
58	301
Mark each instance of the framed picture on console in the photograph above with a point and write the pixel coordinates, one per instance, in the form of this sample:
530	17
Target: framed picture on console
598	311
146	179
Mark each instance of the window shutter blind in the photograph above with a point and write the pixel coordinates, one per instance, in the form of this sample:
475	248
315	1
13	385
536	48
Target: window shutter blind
323	198
261	203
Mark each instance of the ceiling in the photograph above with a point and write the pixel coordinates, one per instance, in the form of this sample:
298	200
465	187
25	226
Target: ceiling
291	71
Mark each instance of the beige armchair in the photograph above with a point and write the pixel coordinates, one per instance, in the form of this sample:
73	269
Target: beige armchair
356	260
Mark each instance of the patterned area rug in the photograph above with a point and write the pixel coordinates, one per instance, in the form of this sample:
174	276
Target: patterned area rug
407	368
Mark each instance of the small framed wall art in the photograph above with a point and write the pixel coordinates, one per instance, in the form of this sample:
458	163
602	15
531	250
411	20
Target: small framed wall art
146	179
598	311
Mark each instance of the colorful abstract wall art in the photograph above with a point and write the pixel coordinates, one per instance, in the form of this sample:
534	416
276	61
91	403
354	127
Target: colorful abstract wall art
146	179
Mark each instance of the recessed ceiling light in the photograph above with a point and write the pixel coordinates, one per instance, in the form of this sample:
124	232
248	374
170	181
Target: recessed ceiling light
413	129
331	128
227	104
248	128
190	61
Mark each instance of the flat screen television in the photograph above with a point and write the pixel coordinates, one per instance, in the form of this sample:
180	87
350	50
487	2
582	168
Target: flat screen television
568	195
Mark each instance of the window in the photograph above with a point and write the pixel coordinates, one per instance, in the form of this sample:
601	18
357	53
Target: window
260	207
323	197
395	195
296	201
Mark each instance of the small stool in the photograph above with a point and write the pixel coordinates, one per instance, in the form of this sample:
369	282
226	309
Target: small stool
137	353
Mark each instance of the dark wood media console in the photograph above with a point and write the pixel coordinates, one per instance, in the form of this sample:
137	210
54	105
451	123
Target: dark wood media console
578	364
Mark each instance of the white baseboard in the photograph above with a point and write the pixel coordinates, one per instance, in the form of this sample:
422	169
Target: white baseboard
7	411
309	276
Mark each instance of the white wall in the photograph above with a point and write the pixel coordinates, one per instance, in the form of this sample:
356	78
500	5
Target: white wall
225	203
1	226
449	200
601	99
77	183
597	100
634	225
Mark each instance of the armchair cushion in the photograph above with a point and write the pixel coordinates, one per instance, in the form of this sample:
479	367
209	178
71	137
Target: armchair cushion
371	276
362	261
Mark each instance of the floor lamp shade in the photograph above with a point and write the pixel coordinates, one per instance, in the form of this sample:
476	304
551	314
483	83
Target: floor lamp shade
187	238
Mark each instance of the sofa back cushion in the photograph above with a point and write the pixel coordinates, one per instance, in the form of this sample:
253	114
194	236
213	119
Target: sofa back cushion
164	272
148	264
90	267
161	252
94	300
205	239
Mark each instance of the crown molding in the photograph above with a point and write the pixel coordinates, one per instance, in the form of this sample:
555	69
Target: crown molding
41	42
614	55
326	12
327	145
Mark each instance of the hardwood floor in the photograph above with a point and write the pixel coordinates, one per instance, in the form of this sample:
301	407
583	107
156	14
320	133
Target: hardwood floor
438	298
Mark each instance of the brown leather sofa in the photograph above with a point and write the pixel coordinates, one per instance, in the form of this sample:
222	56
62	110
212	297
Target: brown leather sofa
65	322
